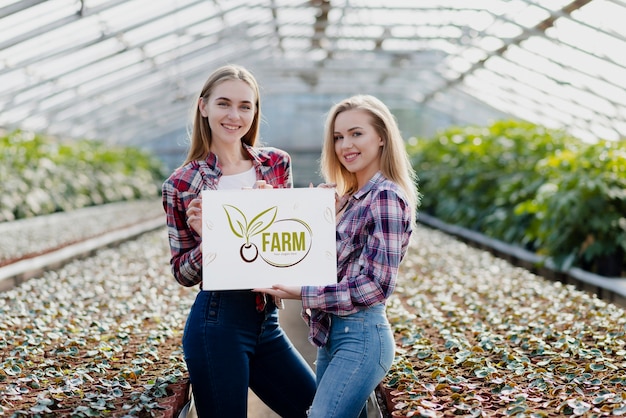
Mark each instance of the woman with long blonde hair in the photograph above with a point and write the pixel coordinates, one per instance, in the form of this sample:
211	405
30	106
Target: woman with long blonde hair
232	340
365	157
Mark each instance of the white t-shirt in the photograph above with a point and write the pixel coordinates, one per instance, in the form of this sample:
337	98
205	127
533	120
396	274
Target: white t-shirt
237	181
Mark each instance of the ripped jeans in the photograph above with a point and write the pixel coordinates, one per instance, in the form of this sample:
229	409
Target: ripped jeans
358	354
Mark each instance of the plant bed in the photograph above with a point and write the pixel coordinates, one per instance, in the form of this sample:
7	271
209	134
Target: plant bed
611	289
99	337
32	237
476	336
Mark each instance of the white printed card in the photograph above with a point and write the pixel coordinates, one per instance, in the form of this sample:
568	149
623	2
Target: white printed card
261	237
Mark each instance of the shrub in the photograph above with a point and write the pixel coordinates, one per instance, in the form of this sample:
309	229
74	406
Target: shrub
41	175
530	186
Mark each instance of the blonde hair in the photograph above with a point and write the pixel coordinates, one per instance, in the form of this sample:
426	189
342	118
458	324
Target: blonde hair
394	159
201	136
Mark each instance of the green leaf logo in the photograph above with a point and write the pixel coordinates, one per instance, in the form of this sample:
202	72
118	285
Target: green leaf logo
240	226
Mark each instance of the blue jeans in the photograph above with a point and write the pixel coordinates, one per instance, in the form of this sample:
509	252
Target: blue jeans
353	362
230	346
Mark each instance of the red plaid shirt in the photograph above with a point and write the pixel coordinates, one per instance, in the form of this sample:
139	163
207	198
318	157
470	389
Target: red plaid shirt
186	183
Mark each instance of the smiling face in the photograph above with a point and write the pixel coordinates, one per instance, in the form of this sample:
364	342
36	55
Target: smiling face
357	144
230	111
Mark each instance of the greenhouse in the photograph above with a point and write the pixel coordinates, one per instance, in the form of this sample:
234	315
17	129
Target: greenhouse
510	299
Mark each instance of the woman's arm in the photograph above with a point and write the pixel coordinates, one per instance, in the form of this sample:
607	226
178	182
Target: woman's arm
369	272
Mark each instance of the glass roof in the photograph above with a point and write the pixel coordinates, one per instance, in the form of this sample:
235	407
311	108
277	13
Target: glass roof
127	71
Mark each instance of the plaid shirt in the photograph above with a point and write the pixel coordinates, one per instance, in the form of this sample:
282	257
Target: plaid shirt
186	183
372	237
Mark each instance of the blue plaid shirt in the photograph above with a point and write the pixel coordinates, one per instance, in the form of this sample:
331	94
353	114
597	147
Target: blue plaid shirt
373	235
187	182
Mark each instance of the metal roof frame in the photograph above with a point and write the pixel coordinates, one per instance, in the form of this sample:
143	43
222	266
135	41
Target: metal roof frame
127	71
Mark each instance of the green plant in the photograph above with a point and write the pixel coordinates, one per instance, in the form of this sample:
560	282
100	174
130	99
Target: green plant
579	213
529	186
42	175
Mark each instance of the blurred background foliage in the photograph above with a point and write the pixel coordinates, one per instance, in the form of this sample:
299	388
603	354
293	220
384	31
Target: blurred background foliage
41	175
538	188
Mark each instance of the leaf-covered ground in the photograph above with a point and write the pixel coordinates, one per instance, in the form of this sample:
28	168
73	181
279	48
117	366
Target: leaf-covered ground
479	337
475	335
100	336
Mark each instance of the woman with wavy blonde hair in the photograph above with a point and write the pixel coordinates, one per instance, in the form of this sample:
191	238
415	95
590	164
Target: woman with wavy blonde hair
365	157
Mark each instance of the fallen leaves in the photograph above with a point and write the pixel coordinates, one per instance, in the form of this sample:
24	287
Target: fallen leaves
477	336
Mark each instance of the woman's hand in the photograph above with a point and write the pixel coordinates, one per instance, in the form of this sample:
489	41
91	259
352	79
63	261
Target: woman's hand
194	215
283	292
262	184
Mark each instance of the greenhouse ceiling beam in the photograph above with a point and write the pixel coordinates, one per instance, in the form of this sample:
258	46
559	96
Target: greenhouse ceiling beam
513	101
216	50
63	106
148	99
583	88
536	107
67	20
556	104
558	81
77	113
142	131
127	29
459	101
136	127
152	101
393	61
592	54
18	7
120	105
173	122
139	47
550	97
577	69
170	122
377	40
417	6
618	2
585	24
104	37
541	27
88	67
276	26
321	22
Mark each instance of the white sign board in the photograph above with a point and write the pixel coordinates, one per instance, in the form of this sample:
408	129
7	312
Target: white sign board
261	237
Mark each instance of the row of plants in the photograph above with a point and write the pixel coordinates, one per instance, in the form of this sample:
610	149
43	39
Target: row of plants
39	235
98	337
42	175
527	185
478	337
